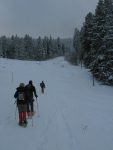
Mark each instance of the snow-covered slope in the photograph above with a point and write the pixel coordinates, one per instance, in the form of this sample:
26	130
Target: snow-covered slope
73	115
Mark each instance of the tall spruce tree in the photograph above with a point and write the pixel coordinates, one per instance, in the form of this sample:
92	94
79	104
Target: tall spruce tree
98	28
76	40
97	41
77	45
28	46
108	38
86	39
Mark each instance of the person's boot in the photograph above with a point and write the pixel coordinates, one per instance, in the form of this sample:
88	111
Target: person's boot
32	113
25	122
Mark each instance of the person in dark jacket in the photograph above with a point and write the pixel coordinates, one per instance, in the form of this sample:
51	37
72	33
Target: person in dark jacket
21	103
42	85
30	93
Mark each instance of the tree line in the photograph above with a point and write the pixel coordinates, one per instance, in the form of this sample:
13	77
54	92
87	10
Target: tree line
94	42
27	48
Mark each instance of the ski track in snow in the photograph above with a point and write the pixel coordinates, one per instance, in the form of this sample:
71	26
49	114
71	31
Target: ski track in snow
71	114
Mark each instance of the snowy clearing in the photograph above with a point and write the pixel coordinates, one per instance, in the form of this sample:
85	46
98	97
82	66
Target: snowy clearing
71	115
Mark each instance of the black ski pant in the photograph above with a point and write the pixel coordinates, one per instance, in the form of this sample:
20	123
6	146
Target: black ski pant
30	106
42	89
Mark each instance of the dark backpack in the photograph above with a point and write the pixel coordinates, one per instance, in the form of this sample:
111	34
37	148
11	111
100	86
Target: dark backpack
21	96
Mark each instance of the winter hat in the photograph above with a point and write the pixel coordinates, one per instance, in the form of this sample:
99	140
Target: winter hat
30	82
21	84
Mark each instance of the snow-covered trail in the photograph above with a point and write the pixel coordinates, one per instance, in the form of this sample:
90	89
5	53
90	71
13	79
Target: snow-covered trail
74	115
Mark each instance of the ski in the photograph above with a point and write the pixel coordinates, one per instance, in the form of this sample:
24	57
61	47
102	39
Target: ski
24	125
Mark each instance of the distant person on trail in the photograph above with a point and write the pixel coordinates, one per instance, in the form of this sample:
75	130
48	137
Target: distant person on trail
42	85
30	92
21	103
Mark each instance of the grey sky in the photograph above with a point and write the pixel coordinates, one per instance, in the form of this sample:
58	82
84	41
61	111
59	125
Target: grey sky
43	17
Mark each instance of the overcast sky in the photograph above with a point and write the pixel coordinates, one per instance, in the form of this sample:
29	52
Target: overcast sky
43	17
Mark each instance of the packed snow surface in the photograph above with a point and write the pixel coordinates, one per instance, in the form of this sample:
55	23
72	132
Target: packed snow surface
72	114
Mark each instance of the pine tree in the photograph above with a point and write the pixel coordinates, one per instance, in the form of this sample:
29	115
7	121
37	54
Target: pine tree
38	48
11	50
108	38
104	61
98	27
98	51
76	44
28	46
76	40
4	46
86	39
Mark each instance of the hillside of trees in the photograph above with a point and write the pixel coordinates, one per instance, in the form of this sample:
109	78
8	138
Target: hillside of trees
94	42
27	48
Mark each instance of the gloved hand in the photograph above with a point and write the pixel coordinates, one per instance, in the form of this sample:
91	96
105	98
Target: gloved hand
36	96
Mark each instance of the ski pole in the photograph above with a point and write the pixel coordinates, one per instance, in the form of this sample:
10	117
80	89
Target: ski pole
37	108
32	119
31	111
15	112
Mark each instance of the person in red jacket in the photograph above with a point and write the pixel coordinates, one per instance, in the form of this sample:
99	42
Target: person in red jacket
21	103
